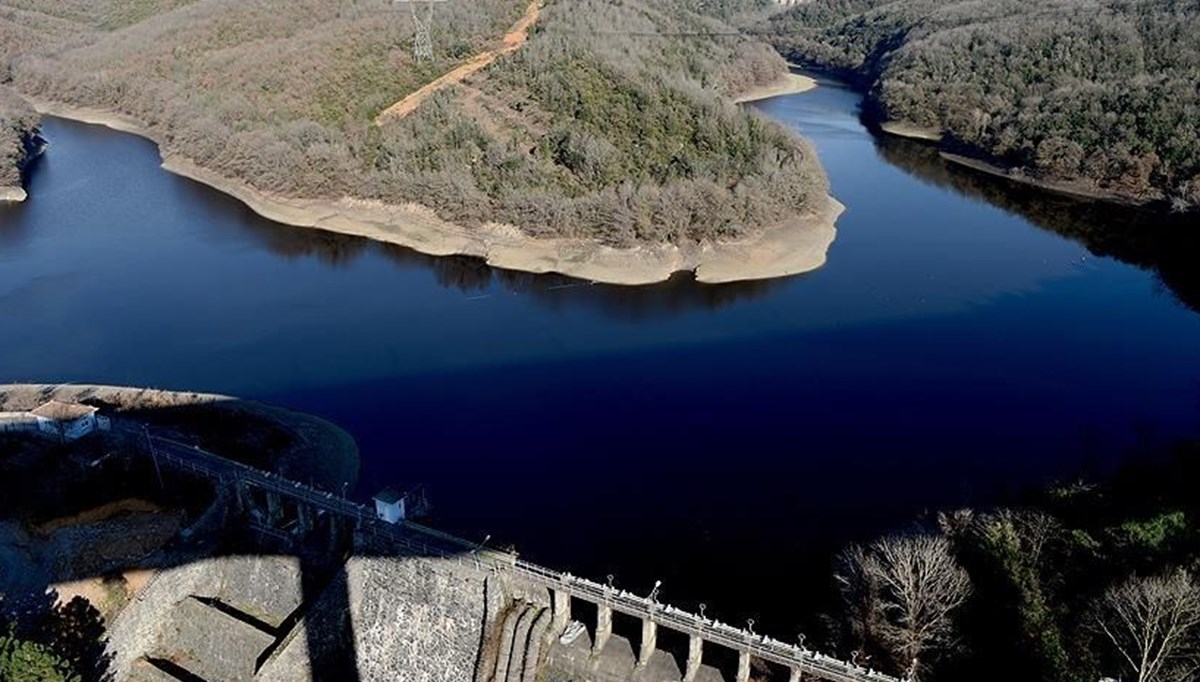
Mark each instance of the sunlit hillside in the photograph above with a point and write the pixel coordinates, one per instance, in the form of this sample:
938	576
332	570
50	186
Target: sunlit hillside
609	123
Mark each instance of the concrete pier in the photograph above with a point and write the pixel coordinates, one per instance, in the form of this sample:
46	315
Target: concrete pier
603	628
274	508
561	604
743	671
695	656
649	642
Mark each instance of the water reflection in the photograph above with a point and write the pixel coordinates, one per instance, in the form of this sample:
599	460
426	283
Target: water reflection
470	275
14	233
1166	245
678	295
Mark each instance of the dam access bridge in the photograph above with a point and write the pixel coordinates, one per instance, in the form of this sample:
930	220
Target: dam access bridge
287	509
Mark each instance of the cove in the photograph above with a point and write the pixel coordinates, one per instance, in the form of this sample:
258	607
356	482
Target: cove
965	340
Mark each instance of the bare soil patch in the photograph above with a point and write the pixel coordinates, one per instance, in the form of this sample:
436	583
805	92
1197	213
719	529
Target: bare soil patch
514	39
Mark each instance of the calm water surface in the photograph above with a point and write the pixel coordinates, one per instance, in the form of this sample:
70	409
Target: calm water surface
963	342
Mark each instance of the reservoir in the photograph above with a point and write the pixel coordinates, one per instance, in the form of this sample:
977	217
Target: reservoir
965	341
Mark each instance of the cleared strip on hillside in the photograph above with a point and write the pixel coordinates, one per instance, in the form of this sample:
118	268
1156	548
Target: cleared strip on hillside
513	40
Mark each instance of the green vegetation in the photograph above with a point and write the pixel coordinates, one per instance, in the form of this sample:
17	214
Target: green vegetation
1097	95
45	641
24	661
1078	583
611	123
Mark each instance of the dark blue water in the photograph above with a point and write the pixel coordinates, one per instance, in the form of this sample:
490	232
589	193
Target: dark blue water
962	343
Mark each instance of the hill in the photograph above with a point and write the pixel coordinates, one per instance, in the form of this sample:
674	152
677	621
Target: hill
612	124
1094	96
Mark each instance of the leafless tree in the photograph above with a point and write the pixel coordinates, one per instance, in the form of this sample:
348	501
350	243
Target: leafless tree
1154	625
902	592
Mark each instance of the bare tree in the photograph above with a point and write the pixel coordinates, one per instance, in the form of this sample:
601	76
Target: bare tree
1154	626
902	592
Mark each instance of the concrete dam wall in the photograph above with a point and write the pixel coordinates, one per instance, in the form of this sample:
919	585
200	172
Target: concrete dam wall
295	584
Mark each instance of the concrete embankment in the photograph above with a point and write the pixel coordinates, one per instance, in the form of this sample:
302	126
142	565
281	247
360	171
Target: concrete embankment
794	246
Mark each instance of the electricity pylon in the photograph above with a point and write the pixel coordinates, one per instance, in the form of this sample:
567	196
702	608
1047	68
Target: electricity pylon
422	29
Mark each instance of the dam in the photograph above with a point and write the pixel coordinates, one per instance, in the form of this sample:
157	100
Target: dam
332	591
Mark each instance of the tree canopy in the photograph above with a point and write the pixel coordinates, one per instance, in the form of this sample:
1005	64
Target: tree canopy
1098	95
610	123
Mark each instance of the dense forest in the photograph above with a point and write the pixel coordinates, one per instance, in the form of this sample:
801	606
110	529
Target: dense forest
611	123
1097	95
18	125
1080	582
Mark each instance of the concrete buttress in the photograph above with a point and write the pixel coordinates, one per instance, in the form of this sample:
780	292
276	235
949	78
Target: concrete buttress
743	671
516	663
562	612
603	628
695	655
506	642
649	641
533	653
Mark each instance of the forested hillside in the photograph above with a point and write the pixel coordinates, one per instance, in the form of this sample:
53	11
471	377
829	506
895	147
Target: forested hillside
1102	95
599	127
17	125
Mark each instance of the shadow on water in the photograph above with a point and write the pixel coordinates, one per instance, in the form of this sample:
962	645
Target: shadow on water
1163	244
14	233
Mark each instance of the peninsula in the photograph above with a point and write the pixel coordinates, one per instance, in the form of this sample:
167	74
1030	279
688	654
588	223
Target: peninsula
551	138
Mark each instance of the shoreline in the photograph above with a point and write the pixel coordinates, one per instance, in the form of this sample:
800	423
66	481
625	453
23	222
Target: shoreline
12	195
788	84
1063	188
1071	189
790	248
910	132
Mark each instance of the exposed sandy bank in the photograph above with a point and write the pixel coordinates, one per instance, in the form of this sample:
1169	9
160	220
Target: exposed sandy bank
1071	189
911	132
12	195
805	238
788	84
321	452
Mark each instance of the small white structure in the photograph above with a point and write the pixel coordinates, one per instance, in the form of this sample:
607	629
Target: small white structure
69	421
391	505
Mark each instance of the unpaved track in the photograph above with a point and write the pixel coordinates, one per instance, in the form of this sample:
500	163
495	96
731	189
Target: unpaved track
514	39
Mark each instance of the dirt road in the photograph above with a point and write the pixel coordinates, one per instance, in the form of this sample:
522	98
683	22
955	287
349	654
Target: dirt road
514	39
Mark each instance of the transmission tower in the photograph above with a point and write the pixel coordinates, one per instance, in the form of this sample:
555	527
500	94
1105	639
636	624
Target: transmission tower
422	29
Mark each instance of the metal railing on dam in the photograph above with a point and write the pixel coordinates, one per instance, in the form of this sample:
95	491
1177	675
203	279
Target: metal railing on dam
423	541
